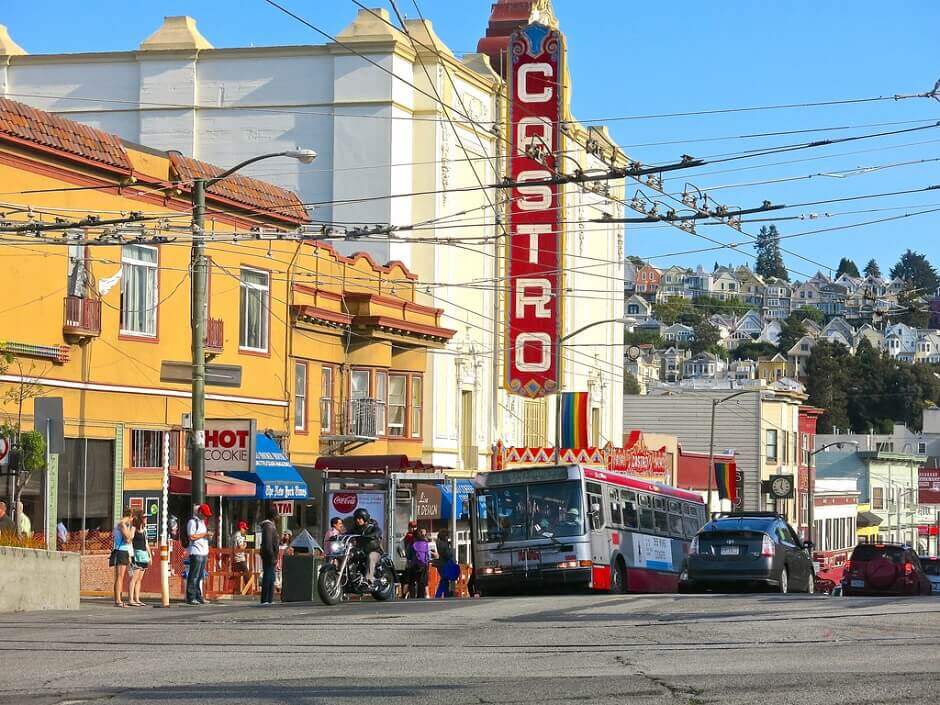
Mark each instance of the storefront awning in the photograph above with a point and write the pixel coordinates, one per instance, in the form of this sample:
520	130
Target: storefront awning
866	519
464	490
217	485
274	476
371	463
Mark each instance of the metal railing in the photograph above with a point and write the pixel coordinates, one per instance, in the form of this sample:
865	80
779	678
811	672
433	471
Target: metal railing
361	418
82	316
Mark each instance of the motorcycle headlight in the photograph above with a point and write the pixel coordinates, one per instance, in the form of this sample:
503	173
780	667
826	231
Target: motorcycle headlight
336	547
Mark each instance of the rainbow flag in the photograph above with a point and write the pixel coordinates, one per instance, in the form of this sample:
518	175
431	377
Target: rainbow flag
724	481
574	419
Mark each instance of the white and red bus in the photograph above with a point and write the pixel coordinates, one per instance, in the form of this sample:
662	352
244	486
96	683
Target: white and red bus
577	526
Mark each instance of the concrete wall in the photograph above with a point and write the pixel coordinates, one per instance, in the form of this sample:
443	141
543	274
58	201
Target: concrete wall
38	580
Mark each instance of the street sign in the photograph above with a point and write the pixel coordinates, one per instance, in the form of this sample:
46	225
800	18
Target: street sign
427	502
230	445
283	508
47	419
216	375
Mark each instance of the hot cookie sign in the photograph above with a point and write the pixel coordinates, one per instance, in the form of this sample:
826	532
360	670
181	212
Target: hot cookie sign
533	309
230	445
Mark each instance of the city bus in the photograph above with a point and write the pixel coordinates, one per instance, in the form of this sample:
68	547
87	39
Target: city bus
579	527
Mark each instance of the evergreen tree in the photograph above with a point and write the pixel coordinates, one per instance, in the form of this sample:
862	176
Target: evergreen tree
706	337
791	330
769	260
630	385
847	266
672	309
872	269
914	269
810	312
825	384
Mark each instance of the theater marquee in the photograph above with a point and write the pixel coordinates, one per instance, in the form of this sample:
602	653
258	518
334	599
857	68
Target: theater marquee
535	243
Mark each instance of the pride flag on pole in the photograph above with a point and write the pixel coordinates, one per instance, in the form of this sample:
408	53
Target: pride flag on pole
574	419
725	481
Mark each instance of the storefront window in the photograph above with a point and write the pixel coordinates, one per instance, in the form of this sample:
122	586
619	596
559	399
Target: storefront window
147	448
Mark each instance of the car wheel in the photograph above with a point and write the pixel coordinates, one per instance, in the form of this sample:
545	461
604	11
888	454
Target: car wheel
811	584
784	586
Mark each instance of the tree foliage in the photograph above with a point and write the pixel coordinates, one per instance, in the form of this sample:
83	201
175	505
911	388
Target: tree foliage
810	312
630	384
847	266
753	350
706	338
872	269
917	272
672	309
769	260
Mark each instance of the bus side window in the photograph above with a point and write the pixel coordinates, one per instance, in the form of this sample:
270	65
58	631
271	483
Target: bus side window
691	526
615	518
646	513
628	501
662	521
595	497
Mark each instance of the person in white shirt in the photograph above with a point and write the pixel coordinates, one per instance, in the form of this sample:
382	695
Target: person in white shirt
198	533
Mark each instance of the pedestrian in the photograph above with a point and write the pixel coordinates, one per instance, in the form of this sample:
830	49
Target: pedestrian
444	563
61	535
419	557
269	556
336	529
140	557
24	527
123	535
6	523
198	533
239	546
406	542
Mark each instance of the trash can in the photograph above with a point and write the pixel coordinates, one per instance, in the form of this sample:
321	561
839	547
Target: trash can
300	569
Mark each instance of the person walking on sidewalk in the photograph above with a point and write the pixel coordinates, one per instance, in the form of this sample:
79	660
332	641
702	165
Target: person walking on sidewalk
198	533
444	564
419	557
269	553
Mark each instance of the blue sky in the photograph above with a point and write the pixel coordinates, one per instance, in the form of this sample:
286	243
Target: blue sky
630	58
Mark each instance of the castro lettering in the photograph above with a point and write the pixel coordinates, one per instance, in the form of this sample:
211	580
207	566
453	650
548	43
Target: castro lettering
534	253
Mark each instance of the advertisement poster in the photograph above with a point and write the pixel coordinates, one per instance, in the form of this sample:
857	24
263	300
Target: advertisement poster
343	504
653	552
928	486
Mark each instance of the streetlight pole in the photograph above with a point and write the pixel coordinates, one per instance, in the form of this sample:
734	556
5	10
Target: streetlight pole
711	444
811	486
197	460
561	340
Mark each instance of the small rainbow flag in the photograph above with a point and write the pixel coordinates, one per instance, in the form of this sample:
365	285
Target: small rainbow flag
724	481
574	419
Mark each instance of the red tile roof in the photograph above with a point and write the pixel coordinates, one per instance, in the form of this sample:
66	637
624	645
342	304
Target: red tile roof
21	123
252	194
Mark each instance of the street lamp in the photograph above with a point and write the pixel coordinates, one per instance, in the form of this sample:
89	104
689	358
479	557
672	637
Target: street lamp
711	442
197	461
811	485
561	340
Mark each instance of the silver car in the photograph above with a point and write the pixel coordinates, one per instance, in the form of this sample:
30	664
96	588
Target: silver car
932	569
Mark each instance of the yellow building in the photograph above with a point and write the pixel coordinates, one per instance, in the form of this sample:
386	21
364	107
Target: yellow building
324	353
772	369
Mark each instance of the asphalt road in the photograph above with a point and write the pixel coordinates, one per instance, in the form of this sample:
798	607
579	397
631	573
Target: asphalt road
656	649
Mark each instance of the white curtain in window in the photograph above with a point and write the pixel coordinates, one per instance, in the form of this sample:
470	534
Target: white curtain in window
397	398
253	314
139	290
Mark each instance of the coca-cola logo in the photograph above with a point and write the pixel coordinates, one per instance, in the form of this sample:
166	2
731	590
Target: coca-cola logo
345	502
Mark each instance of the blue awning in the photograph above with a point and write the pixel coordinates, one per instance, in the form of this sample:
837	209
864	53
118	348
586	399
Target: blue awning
274	476
464	490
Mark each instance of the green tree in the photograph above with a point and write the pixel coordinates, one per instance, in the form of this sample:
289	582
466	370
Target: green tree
753	350
670	310
644	337
791	330
769	260
847	266
630	384
826	384
635	261
707	338
810	312
866	390
919	274
872	269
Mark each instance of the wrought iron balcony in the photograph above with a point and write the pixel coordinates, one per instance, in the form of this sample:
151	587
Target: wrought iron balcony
354	423
215	336
82	317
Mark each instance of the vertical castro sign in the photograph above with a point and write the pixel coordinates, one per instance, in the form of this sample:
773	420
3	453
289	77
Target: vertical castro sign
535	250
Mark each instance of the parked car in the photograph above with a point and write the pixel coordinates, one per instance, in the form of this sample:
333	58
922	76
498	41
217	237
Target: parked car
931	566
748	549
884	569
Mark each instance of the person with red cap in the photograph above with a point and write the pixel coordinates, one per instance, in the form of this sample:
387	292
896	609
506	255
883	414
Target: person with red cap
239	544
198	533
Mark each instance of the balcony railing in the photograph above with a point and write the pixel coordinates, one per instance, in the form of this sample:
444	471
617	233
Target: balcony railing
82	316
215	336
357	419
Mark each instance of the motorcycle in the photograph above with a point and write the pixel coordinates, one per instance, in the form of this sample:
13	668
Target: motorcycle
343	573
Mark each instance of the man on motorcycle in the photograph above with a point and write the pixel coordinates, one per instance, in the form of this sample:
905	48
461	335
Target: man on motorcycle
369	534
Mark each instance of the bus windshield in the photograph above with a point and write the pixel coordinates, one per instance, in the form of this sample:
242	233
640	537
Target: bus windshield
520	512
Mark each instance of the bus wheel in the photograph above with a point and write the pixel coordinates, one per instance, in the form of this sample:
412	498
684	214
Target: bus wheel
618	577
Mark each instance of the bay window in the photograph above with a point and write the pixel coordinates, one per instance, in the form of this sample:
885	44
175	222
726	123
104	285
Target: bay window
397	401
417	399
381	393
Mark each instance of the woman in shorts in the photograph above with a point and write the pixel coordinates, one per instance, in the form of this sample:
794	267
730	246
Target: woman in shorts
140	557
121	554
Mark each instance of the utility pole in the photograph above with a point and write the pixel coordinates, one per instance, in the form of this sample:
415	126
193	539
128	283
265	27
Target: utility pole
710	473
197	461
